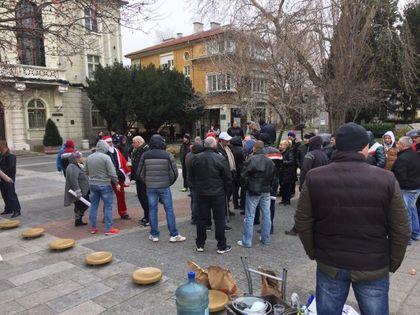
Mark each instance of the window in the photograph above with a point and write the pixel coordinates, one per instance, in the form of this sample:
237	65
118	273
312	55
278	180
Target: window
259	85
93	63
187	71
91	23
212	48
186	55
167	61
229	46
36	114
97	119
219	83
29	34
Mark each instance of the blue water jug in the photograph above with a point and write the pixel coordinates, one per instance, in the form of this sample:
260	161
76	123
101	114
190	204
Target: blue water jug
192	298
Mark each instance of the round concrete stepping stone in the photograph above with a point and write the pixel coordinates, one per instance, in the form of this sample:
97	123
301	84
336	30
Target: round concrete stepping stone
32	233
9	224
217	300
98	258
62	243
147	275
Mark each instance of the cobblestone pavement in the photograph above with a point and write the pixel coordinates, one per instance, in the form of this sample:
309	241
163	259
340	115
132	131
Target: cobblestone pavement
35	280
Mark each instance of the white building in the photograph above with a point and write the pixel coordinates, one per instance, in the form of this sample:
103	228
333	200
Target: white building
36	85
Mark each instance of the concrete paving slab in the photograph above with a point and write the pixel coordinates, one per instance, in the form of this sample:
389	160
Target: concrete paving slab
87	308
39	273
78	297
48	294
38	310
10	308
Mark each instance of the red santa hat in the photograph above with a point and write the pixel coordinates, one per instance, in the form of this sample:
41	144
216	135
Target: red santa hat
107	138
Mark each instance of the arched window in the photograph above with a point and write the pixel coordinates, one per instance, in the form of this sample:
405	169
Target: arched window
36	114
29	34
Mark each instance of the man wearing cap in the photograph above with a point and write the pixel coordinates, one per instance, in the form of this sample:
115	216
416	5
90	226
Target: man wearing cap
183	151
357	230
302	149
226	151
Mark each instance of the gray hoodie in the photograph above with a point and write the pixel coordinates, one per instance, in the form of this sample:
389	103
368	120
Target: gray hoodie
75	180
99	166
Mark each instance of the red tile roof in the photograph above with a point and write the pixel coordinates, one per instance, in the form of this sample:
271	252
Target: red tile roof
177	41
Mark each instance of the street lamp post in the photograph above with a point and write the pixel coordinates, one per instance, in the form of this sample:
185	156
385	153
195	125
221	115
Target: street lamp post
305	98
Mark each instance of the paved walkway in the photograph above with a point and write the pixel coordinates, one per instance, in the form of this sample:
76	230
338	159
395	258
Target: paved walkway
35	280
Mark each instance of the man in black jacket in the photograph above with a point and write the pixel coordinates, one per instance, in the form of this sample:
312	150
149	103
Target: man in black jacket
183	151
210	176
302	150
407	171
357	229
140	147
257	177
238	154
8	192
158	171
235	131
313	159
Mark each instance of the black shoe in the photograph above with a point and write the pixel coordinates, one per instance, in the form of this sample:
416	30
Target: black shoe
242	212
227	228
291	232
15	214
232	214
236	207
227	249
79	222
125	217
208	228
144	222
6	212
193	222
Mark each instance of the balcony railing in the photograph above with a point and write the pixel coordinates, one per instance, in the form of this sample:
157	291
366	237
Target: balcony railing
27	72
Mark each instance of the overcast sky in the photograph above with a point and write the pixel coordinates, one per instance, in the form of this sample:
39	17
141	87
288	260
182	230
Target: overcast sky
173	16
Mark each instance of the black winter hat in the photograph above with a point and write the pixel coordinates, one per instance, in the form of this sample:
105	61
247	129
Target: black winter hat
351	137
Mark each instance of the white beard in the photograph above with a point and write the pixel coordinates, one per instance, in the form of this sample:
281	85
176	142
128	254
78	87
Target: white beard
111	149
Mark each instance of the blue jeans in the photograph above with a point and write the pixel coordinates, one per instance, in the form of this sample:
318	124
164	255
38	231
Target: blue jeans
153	196
103	192
251	203
331	293
410	199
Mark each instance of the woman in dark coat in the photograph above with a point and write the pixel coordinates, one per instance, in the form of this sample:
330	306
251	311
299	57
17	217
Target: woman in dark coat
288	176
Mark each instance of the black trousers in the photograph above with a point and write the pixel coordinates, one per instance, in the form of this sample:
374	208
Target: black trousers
8	193
80	208
207	204
286	191
184	175
235	192
142	195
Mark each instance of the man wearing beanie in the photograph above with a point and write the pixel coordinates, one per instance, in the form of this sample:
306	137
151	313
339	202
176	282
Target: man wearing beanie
183	151
357	230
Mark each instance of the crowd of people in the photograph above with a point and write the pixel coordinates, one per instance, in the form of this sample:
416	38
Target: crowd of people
358	206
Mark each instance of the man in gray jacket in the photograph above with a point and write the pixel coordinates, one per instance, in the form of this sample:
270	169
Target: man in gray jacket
101	174
158	171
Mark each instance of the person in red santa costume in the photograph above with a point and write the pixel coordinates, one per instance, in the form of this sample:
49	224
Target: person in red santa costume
122	170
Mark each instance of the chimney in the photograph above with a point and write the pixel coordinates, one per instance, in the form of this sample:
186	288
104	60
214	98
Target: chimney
198	27
214	25
178	35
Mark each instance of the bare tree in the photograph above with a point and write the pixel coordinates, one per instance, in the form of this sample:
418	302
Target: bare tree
68	26
328	39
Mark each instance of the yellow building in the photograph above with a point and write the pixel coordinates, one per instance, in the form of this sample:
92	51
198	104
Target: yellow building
198	56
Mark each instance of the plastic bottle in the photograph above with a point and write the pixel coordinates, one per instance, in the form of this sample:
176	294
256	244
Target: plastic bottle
192	298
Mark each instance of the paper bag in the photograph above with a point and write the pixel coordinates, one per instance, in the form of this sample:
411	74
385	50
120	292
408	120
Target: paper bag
270	287
222	279
201	275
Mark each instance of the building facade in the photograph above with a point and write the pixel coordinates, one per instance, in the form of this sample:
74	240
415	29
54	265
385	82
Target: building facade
202	58
38	83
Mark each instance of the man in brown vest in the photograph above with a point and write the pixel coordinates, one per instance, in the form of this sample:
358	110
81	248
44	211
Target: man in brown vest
352	221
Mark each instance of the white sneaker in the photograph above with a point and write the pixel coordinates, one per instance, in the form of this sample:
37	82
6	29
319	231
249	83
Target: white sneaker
177	238
153	238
